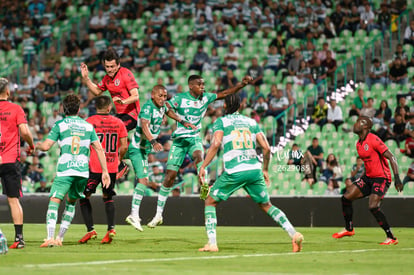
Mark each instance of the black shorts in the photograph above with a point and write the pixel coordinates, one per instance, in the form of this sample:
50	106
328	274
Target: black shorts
129	122
95	179
368	186
11	180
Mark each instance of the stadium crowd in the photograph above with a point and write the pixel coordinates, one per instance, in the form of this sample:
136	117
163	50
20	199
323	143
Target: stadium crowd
163	42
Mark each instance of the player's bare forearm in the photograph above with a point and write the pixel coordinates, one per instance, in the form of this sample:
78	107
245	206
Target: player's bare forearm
261	139
45	145
212	151
393	162
92	86
101	155
134	97
173	115
123	147
246	80
145	129
26	134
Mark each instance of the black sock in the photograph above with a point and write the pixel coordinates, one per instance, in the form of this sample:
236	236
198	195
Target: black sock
18	229
347	211
110	212
382	221
86	209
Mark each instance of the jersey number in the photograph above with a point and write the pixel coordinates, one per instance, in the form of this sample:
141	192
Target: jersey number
75	145
111	140
243	139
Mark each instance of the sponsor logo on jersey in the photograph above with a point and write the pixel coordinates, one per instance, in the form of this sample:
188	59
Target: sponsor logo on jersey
117	82
366	147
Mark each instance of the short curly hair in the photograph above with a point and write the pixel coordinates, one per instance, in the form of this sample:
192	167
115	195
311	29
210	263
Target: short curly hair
71	105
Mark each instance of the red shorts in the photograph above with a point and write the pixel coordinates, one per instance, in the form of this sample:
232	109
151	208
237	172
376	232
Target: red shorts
368	186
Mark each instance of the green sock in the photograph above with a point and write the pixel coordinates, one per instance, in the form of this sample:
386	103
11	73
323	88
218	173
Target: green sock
162	198
137	198
51	218
211	223
67	218
280	217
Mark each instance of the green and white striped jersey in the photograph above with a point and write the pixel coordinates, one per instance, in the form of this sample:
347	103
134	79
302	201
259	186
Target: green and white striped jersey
154	115
74	136
192	110
239	142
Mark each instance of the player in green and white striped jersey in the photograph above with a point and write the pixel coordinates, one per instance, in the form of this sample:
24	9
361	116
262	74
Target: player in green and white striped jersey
190	106
240	136
145	141
74	136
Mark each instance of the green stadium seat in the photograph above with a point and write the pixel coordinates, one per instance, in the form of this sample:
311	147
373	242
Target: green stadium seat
319	188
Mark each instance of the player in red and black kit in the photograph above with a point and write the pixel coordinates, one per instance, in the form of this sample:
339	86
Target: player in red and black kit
121	84
13	123
374	183
114	139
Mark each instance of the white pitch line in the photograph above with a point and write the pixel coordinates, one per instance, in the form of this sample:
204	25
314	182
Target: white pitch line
207	257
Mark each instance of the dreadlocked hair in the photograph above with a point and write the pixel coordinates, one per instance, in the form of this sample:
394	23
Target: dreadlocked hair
71	105
368	121
102	101
232	103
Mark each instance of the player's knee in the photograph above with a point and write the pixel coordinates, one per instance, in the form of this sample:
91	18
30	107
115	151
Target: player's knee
169	179
345	200
265	206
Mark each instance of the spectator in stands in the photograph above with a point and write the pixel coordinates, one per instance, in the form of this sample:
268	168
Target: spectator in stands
409	147
170	60
367	21
162	156
384	18
398	72
199	59
261	107
308	51
51	120
288	24
98	22
38	92
214	62
277	104
295	155
382	113
377	74
101	44
201	29
303	76
24	93
316	154
410	174
335	114
227	81
320	113
45	32
293	66
399	52
232	58
398	129
402	109
51	93
409	34
66	83
187	9
353	19
338	18
318	72
29	51
171	86
140	61
330	64
267	22
359	102
279	42
329	30
256	72
220	37
331	175
33	79
409	126
273	59
35	172
368	110
300	28
43	188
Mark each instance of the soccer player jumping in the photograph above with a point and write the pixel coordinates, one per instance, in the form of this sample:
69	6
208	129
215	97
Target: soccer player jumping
190	106
374	183
145	140
240	136
113	137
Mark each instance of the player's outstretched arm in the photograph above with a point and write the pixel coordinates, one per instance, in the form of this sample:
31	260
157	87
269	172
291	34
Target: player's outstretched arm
261	139
88	82
211	153
133	97
394	165
27	136
174	116
45	145
246	80
147	133
106	181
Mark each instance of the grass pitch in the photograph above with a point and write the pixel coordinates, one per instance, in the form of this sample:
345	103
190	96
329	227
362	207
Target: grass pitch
244	250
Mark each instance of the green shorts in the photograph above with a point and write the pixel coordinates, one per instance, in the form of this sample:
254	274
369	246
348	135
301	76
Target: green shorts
180	148
252	181
139	160
73	186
